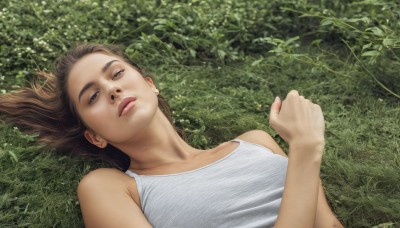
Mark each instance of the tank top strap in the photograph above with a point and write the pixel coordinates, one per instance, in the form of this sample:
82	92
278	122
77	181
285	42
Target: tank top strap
237	140
243	142
137	180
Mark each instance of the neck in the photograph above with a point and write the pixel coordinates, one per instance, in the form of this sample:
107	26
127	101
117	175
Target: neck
158	144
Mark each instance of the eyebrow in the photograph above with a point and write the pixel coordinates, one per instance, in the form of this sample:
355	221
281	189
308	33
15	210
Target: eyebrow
107	65
90	84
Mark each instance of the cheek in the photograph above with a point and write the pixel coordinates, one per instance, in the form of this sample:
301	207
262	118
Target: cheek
96	117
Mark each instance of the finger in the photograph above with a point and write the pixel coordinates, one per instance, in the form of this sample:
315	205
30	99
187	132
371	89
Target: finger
275	109
293	93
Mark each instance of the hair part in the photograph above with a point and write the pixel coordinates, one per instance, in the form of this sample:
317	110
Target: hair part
48	111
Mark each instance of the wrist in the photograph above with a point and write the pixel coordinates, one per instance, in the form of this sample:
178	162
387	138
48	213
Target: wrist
308	149
308	143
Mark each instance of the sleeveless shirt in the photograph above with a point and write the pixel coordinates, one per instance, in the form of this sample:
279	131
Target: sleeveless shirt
242	189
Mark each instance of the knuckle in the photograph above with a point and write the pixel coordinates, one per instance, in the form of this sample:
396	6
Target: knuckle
293	93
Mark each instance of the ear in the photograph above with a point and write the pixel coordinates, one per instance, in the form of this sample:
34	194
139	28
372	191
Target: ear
149	81
95	139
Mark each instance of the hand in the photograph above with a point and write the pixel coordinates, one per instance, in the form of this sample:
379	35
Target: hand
297	120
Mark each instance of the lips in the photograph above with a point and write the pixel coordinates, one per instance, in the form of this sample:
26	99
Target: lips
125	105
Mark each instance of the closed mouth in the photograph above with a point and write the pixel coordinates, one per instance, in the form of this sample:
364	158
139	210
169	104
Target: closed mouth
125	105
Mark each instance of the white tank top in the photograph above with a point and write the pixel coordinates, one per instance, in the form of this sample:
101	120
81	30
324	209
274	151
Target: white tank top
243	189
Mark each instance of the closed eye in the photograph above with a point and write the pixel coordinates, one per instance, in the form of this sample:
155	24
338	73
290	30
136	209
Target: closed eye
93	97
118	73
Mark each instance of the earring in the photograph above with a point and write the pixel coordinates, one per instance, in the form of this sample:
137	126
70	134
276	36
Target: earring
156	91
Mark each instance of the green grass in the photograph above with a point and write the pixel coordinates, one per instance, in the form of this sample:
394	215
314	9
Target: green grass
220	66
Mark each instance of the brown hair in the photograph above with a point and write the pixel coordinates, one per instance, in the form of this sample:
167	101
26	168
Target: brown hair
45	108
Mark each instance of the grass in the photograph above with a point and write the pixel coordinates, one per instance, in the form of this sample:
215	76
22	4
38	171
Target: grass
220	81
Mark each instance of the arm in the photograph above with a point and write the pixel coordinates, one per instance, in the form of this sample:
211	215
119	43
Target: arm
301	124
106	200
300	197
324	215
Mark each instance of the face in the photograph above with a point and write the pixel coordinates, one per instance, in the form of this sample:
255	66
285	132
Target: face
111	97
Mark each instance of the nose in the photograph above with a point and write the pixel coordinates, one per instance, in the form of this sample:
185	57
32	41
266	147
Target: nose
114	93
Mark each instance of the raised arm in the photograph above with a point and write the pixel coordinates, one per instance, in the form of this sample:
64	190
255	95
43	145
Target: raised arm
301	124
106	198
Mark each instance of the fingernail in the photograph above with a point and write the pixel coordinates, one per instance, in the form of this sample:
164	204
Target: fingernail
277	98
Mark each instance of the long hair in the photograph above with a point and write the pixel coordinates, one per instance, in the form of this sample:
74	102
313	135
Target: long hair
45	108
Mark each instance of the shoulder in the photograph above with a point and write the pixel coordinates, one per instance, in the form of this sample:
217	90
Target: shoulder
107	199
107	179
262	138
258	137
103	176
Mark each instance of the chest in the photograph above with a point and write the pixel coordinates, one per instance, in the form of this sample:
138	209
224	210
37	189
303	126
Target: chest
238	187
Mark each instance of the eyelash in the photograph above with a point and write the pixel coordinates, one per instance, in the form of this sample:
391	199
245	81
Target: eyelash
93	97
119	72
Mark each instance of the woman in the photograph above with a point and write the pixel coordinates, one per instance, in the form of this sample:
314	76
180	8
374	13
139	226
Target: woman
99	103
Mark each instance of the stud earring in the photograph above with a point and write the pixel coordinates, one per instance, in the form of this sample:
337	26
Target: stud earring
156	91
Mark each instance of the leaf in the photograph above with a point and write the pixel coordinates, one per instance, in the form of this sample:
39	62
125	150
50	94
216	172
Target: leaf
291	40
13	156
376	31
353	20
308	15
387	42
257	62
384	225
316	42
221	54
192	52
327	21
366	46
160	27
371	53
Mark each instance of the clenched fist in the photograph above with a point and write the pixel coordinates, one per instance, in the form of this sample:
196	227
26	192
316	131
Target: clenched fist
297	120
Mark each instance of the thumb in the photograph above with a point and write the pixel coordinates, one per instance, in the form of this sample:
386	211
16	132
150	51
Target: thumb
275	109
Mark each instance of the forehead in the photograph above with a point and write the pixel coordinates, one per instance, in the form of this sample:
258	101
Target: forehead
85	70
91	63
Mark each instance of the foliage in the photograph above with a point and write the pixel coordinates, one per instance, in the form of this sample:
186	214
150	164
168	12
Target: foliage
220	63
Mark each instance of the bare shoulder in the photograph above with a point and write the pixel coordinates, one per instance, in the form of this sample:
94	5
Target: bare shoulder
109	179
104	173
257	136
262	138
105	177
108	198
